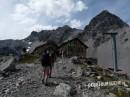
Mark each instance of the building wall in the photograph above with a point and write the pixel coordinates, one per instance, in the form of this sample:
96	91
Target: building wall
105	55
73	48
39	51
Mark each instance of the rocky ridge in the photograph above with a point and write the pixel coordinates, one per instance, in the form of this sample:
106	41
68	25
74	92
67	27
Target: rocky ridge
104	22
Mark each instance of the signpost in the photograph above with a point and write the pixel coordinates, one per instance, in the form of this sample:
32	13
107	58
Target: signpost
113	35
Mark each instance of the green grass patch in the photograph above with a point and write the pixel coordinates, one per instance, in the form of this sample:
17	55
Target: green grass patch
83	66
28	58
108	78
128	83
121	93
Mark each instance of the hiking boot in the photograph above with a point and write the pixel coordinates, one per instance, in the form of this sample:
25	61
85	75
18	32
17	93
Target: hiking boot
42	81
50	76
46	84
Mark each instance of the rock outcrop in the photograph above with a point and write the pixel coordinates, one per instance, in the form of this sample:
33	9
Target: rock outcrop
62	90
7	64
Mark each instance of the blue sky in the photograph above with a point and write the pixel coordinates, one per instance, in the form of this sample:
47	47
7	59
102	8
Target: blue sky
19	17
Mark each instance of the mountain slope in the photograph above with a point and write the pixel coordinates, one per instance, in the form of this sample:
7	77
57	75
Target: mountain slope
101	46
102	23
58	35
12	46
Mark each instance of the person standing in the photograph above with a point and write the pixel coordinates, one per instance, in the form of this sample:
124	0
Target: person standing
46	64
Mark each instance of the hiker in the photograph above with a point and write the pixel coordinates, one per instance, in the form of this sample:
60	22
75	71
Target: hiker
46	63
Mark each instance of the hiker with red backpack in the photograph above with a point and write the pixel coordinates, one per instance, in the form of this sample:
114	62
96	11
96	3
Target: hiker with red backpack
47	64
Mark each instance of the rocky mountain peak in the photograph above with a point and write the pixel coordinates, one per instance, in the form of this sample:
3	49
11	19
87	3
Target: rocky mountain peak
106	20
105	12
102	23
65	27
34	33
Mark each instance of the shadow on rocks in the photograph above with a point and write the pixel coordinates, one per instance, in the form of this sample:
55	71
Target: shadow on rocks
51	84
8	73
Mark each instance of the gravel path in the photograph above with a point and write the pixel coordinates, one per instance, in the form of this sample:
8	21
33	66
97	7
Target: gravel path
27	82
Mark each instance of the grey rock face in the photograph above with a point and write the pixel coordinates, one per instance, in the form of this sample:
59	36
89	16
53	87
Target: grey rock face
8	65
102	23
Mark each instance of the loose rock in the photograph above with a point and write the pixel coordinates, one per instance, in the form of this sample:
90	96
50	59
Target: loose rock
62	90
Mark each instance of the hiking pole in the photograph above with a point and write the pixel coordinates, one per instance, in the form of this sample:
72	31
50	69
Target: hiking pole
113	35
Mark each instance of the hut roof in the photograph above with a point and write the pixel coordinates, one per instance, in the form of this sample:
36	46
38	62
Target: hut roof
38	44
72	39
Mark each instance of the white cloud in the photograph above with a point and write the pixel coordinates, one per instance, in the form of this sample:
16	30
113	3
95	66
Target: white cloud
30	11
80	6
39	27
75	23
27	15
56	8
22	14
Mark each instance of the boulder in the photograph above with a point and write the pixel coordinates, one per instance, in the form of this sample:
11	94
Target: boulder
99	77
20	81
79	72
8	65
1	77
62	90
